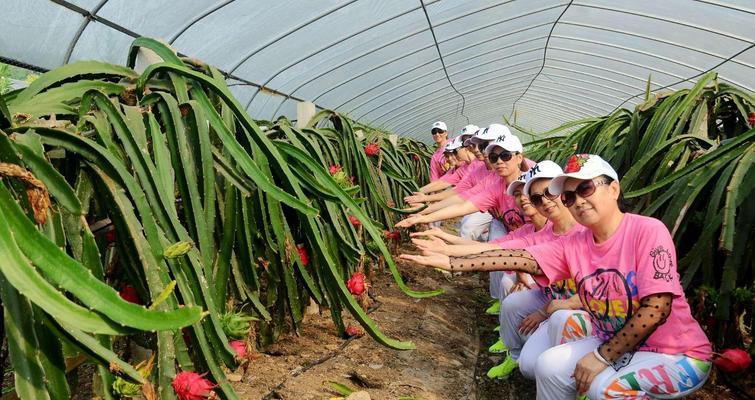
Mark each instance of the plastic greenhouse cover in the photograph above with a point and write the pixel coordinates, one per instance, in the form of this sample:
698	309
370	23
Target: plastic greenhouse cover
402	64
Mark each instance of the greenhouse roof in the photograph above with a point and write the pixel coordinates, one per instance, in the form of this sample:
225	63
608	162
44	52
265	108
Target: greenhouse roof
401	64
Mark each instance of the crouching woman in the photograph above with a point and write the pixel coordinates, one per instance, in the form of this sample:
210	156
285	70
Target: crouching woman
645	342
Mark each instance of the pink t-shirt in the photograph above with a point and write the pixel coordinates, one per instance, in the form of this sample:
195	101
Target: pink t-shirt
490	196
638	260
564	288
477	174
437	164
458	174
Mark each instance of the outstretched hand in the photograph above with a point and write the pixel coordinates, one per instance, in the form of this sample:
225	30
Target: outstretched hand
410	221
432	245
429	259
416	197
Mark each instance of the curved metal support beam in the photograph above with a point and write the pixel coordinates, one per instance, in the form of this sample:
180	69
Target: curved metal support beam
669	20
288	33
550	98
87	19
471	68
453	19
369	52
497	91
652	39
405	108
404	84
329	46
418	125
579	72
197	19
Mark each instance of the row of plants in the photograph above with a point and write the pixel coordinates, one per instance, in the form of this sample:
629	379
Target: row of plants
686	157
150	207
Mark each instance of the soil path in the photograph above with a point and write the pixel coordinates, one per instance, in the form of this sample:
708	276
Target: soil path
451	333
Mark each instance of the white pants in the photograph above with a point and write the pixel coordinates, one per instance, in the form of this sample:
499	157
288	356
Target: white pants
497	230
475	226
514	308
561	327
649	375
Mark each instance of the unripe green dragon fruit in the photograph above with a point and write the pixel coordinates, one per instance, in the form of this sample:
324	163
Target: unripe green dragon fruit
236	324
177	249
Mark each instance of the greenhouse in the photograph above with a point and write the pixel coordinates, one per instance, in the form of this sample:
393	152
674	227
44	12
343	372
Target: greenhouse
342	199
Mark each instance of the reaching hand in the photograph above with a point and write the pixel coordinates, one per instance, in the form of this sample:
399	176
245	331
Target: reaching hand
416	197
436	232
433	245
434	260
410	221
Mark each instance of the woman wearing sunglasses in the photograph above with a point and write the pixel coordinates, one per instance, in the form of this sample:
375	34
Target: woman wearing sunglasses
476	170
439	132
489	195
645	342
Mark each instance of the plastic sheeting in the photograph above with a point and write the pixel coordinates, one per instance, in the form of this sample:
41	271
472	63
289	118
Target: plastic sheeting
402	64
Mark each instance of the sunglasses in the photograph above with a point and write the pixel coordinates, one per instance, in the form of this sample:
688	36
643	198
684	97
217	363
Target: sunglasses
436	131
537	198
482	146
504	156
584	190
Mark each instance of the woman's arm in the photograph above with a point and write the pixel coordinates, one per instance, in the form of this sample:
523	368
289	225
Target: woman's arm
447	202
491	260
448	212
617	352
439	246
443	235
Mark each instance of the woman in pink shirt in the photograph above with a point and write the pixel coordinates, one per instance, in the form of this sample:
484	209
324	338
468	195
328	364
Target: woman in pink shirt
645	342
438	161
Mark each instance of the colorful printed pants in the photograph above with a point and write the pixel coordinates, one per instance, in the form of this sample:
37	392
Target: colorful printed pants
563	326
649	375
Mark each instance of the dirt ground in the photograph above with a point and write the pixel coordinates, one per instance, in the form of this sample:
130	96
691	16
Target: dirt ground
451	333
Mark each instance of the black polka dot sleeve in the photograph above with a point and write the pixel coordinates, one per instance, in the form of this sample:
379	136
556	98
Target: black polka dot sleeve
652	313
497	260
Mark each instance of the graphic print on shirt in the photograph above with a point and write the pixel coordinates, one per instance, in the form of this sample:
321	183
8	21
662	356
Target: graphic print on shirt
662	263
609	297
560	290
512	218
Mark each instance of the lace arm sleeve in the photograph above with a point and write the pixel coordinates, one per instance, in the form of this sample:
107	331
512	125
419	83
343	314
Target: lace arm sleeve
497	260
653	312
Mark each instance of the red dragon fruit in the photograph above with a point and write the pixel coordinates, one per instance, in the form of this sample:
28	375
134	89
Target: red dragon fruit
372	149
354	221
392	235
239	347
334	169
303	255
192	386
751	120
415	157
353	331
732	361
129	294
110	236
357	284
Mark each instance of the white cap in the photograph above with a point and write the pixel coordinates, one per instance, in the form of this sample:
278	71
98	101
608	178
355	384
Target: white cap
582	166
439	125
517	183
543	169
467	132
489	133
453	144
508	142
